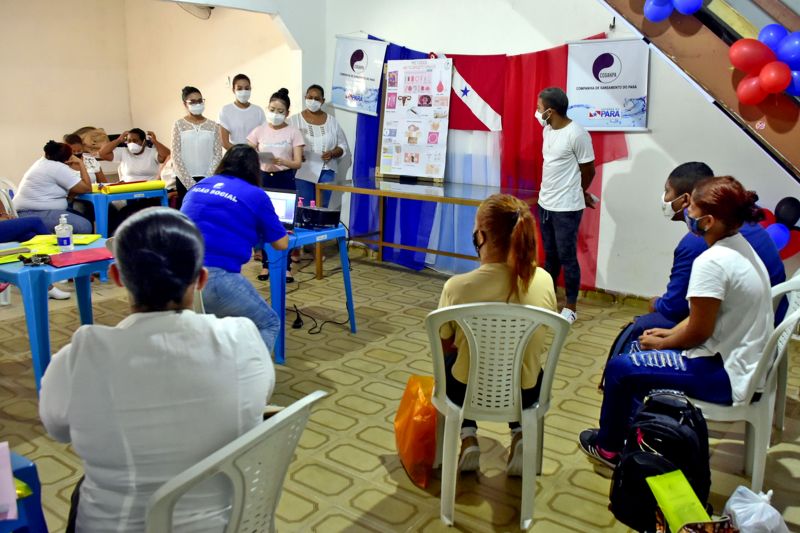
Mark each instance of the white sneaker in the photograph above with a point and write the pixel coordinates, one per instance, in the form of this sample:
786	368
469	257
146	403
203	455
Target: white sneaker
569	314
57	294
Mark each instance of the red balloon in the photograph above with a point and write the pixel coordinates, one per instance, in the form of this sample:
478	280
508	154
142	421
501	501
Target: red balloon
750	92
794	245
775	77
769	217
750	55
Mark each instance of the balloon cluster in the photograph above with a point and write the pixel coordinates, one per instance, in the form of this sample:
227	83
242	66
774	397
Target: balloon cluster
781	226
658	10
772	64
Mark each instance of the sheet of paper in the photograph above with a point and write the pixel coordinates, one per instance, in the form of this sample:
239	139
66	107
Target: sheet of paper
312	167
266	157
8	492
677	500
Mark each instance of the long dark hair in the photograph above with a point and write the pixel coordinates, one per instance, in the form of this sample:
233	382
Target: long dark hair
241	161
159	254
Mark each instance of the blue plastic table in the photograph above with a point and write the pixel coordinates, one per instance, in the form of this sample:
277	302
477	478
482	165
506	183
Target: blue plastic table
101	201
33	282
277	276
30	516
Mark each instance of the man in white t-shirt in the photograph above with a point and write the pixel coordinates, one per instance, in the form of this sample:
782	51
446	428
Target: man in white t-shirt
137	161
567	172
239	118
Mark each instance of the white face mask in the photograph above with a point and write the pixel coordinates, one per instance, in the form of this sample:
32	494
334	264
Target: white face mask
666	207
276	119
243	96
196	109
540	118
313	105
134	148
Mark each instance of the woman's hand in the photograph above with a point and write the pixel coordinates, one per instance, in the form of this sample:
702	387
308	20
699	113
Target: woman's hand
75	162
327	156
152	136
651	342
279	162
657	332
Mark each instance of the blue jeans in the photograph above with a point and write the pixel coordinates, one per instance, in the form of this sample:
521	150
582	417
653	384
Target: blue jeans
560	242
631	376
21	229
230	294
308	191
50	219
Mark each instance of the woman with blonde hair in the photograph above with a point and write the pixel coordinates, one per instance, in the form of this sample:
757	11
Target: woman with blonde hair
505	241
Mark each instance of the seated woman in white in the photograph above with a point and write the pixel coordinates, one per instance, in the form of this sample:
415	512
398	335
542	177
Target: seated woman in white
137	161
143	401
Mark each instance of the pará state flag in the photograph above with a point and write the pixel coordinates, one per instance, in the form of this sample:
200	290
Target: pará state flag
478	92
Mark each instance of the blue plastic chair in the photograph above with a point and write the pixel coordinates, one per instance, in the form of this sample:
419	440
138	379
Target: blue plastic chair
30	516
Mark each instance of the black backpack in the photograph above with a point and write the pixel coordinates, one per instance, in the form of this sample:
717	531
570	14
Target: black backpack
668	433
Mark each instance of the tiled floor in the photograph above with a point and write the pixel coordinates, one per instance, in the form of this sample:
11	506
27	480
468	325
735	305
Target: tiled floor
346	475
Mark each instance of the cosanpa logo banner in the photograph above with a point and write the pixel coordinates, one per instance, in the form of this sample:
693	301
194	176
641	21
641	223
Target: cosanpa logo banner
607	84
357	73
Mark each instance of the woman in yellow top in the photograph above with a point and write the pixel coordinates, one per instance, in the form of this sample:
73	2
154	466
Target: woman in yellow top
505	240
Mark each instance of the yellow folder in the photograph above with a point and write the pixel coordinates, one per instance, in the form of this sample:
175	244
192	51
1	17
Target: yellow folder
130	187
677	500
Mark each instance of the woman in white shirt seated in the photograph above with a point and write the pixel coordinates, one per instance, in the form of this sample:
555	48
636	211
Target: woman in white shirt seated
196	144
143	401
137	161
326	152
712	354
47	184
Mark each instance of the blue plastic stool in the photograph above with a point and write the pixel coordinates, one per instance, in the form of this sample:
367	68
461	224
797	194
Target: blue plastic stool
31	517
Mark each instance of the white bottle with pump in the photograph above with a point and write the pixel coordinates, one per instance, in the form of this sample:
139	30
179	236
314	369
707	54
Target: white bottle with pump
64	234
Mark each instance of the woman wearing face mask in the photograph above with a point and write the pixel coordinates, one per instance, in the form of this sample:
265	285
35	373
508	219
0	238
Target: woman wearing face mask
196	144
137	161
240	117
712	354
505	240
326	152
285	143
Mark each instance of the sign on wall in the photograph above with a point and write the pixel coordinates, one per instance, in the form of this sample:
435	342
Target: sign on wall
357	71
415	118
607	84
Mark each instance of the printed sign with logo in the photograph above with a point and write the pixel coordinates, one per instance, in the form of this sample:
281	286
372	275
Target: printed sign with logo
607	84
357	71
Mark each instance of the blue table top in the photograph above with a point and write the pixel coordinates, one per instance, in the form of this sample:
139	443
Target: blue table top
9	271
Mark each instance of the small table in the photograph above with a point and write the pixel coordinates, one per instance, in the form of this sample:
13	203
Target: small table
100	201
33	282
31	517
447	193
277	276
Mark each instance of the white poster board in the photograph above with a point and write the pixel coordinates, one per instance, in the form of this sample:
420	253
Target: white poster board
607	84
415	118
357	71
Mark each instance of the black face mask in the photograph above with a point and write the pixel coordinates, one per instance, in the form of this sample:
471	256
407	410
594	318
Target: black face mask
475	242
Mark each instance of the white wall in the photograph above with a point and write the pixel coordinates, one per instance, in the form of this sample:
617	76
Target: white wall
169	48
64	66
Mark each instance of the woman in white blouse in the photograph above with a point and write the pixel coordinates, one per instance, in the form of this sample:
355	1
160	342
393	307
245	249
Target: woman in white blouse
326	152
196	143
143	401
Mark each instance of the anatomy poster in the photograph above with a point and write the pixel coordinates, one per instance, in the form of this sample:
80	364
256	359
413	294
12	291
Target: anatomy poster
415	118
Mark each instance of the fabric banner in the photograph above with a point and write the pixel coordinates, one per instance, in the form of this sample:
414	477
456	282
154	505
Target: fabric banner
357	73
607	84
478	92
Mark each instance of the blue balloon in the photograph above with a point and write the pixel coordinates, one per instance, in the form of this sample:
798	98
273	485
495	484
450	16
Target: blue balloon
688	7
780	235
655	12
789	50
794	86
772	35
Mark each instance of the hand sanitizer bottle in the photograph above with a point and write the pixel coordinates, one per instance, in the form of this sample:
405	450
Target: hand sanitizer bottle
313	203
64	234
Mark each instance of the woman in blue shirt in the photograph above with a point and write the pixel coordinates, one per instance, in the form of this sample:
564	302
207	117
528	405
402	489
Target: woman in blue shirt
234	215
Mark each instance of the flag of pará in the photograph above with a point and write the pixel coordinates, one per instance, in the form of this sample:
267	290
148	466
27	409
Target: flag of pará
478	91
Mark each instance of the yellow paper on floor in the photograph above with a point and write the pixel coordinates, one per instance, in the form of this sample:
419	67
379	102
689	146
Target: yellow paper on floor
677	500
130	187
79	239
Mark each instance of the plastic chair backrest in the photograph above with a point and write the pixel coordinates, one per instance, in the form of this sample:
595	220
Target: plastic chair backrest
790	288
497	334
774	352
256	465
6	195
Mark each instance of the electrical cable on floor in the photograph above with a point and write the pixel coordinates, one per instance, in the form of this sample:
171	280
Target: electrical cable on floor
316	329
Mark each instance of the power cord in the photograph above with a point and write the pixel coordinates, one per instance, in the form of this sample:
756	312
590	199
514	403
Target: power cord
316	329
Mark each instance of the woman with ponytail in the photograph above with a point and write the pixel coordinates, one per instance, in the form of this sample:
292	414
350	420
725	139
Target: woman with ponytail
713	353
143	401
505	240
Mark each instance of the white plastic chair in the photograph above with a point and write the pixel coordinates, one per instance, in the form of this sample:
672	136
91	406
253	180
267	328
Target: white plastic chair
791	289
757	413
255	463
497	334
6	194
